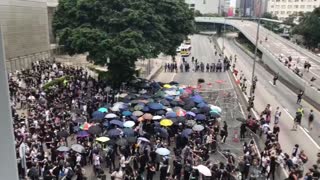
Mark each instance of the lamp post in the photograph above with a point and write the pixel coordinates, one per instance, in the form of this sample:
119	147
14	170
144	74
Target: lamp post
223	36
8	164
255	52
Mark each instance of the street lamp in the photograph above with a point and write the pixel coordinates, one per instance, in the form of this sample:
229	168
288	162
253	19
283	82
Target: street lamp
255	52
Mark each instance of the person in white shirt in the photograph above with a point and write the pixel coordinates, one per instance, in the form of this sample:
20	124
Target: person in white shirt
277	116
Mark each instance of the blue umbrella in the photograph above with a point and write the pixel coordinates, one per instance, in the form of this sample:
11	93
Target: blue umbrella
186	133
98	114
103	109
126	113
128	132
146	109
113	132
117	122
97	118
201	117
197	99
155	106
171	115
191	113
202	104
170	98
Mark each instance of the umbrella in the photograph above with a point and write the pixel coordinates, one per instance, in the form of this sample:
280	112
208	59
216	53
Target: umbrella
113	132
191	113
173	83
143	139
103	109
171	115
155	106
190	123
118	105
63	134
197	128
110	116
163	151
122	142
147	116
140	119
146	109
134	118
202	104
77	148
215	114
128	132
203	170
94	130
97	119
165	102
138	107
201	117
98	115
128	124
126	113
205	109
216	108
82	134
157	117
162	132
181	113
63	149
85	126
197	99
103	139
161	112
166	122
168	86
117	122
137	113
186	132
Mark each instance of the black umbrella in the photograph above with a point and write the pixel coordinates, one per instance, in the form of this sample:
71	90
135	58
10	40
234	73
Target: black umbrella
181	103
195	110
63	134
131	139
95	130
173	83
161	112
174	103
165	102
205	109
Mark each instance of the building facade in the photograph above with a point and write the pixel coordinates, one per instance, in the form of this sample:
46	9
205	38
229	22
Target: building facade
209	6
283	8
24	24
252	8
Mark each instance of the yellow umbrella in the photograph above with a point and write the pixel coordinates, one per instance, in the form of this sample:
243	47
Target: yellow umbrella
166	122
102	139
167	86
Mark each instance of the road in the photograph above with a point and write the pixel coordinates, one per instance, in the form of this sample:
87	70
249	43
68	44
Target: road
276	45
283	97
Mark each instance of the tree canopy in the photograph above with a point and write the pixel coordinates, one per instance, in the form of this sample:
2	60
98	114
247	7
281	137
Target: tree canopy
119	32
309	28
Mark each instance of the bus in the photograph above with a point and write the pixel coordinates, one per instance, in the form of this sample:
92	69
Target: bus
185	50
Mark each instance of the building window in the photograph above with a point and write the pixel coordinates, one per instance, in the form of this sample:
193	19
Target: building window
309	6
296	6
296	1
192	5
276	12
289	6
302	6
288	12
284	0
283	12
283	6
277	6
272	6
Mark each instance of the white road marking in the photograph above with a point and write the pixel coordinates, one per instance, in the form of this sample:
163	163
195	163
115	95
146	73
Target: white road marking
271	83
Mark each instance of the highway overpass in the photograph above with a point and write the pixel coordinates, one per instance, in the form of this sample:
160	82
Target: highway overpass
272	49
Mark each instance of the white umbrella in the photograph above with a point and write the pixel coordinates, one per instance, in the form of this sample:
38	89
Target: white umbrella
128	124
110	115
143	91
63	149
169	109
157	117
77	148
216	108
163	151
143	139
197	128
203	170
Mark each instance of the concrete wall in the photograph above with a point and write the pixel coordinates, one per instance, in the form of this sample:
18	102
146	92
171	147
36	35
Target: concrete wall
25	30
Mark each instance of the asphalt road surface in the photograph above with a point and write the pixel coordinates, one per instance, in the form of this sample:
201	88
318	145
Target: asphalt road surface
283	97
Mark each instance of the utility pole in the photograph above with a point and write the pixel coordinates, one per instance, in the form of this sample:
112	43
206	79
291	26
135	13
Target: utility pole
255	53
8	164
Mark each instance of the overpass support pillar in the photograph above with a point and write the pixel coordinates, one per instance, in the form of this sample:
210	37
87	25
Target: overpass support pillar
219	29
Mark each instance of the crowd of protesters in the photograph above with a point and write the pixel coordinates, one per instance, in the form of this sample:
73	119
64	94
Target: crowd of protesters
46	119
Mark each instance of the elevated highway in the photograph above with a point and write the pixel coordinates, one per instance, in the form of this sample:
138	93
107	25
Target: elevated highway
272	49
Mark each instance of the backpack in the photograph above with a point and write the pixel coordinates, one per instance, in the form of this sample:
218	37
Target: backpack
70	173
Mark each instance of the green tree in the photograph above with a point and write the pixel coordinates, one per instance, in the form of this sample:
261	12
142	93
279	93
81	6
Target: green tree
119	32
309	28
269	16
